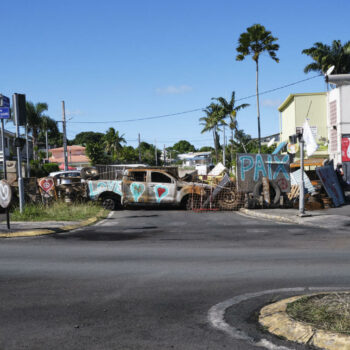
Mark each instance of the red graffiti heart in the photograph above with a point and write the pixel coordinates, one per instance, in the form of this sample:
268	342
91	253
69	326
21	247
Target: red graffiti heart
46	184
160	191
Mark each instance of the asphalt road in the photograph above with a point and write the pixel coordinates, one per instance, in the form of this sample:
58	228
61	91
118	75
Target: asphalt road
146	279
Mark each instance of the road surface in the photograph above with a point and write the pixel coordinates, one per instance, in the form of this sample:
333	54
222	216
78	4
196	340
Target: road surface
146	279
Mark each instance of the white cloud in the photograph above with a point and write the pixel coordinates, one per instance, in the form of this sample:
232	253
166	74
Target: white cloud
272	103
174	90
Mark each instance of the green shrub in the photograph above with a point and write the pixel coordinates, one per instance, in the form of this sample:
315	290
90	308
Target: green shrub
50	167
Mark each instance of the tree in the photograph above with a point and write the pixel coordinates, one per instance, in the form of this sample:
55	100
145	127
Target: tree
183	146
326	56
113	141
213	119
230	111
48	126
96	153
254	42
35	114
86	137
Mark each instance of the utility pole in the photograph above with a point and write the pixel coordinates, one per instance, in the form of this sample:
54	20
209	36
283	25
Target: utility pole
140	149
155	149
65	155
164	155
47	146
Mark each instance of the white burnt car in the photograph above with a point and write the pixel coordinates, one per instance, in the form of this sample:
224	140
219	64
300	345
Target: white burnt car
145	186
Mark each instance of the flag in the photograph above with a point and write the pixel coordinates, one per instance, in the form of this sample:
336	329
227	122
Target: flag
310	142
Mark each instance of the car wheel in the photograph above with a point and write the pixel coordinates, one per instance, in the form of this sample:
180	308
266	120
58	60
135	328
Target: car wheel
109	202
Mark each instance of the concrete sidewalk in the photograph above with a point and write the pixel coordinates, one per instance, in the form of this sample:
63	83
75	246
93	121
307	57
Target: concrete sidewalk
38	228
338	218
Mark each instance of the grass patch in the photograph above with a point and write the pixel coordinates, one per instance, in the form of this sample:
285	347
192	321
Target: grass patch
58	211
330	312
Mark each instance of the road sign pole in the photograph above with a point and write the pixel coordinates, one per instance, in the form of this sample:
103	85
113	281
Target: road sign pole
301	186
19	156
27	151
3	149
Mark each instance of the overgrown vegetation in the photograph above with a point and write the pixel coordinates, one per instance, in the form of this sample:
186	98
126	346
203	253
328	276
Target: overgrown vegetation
330	312
58	211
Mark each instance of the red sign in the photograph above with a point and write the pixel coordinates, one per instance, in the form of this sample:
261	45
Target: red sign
345	149
46	184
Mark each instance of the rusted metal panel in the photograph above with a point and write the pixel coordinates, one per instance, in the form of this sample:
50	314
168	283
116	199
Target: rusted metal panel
251	168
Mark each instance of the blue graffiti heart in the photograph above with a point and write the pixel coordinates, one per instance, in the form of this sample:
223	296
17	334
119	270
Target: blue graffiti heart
137	190
161	192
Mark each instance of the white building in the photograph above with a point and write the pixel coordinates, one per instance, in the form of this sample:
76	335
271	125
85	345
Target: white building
195	158
338	118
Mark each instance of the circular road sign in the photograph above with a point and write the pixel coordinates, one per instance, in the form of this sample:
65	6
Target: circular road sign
5	194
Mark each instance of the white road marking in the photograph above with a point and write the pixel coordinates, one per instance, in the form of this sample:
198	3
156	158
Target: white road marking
104	221
216	314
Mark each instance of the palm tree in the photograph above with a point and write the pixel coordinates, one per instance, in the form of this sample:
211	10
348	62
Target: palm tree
230	111
254	42
325	56
212	121
113	141
35	114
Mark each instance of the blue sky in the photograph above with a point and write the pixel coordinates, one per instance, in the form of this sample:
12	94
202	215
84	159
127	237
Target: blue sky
120	60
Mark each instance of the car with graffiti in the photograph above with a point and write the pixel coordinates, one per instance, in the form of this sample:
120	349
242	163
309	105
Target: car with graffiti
145	186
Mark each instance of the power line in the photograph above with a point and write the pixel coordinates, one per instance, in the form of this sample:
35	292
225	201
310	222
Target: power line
196	109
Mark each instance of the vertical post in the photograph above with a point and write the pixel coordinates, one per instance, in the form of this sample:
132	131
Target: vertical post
65	155
140	149
3	149
224	150
27	151
164	155
155	148
47	145
301	186
19	155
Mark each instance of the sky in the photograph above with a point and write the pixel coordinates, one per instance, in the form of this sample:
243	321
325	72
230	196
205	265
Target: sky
112	61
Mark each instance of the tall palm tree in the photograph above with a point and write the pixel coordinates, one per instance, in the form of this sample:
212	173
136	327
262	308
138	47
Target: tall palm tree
212	121
35	114
230	111
325	56
113	141
254	42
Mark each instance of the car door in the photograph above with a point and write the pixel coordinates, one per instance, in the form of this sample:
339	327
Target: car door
161	188
134	187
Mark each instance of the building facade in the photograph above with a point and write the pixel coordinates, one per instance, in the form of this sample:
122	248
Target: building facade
296	108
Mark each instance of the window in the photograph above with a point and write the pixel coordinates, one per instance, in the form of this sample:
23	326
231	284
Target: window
139	176
160	177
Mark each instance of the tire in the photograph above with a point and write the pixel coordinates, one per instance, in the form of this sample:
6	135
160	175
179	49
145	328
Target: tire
276	191
109	202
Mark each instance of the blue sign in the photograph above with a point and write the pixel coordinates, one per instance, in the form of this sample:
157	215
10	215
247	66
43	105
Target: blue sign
4	101
5	113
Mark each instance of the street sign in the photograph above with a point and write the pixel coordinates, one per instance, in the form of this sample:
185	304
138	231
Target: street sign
5	113
5	194
4	101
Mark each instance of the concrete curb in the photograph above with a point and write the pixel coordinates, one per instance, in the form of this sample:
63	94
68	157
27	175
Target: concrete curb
42	232
279	218
276	320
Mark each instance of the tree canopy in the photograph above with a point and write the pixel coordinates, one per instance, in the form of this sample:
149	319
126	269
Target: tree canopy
324	56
